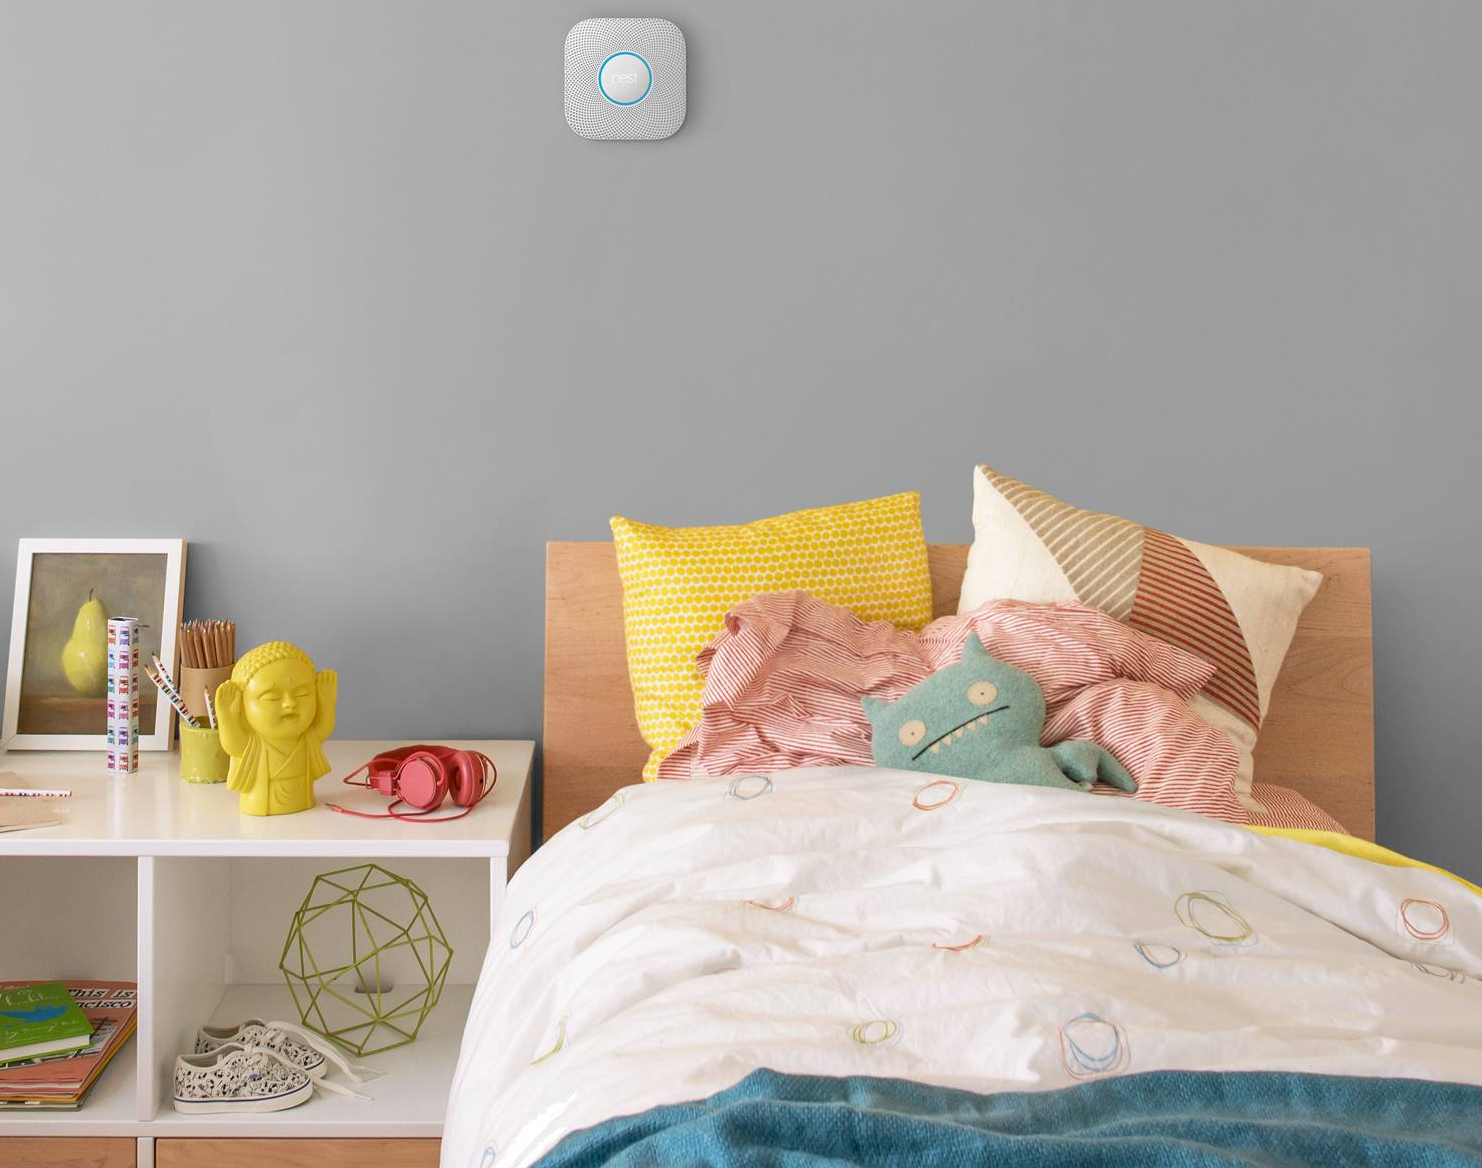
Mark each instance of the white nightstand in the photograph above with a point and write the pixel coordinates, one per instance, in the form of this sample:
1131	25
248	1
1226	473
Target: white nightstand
162	882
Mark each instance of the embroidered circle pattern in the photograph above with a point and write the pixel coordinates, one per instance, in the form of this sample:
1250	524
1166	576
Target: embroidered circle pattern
556	1049
1159	956
522	929
1211	914
601	814
937	793
777	904
1425	920
876	1032
976	943
748	787
1091	1046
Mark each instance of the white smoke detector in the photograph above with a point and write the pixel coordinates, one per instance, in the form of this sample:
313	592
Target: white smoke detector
625	78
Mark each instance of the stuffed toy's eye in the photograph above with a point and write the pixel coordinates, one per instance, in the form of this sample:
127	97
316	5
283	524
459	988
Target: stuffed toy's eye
913	732
982	692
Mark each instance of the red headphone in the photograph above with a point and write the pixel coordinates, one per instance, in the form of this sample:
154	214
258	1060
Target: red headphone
420	778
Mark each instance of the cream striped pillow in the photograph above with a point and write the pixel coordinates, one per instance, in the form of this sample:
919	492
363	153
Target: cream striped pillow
1236	612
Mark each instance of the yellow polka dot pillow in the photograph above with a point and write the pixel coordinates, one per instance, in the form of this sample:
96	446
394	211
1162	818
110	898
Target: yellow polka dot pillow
679	583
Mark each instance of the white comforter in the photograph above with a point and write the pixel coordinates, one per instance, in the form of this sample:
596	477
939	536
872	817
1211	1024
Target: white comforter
862	921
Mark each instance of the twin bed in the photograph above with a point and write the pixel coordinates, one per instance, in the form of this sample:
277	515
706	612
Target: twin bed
857	965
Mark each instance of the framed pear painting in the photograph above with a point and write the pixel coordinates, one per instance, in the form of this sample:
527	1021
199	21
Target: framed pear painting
65	592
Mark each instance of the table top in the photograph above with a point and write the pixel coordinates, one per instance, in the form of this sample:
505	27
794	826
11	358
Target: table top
153	813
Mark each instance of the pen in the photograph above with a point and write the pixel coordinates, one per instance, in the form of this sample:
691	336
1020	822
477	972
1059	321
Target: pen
24	792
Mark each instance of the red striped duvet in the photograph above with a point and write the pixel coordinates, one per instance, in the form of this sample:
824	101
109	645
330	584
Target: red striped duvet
784	678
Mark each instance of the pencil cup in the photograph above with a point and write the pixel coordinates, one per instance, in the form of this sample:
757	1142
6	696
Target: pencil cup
193	686
201	758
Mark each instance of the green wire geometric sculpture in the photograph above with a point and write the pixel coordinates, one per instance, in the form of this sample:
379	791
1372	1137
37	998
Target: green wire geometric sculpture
355	930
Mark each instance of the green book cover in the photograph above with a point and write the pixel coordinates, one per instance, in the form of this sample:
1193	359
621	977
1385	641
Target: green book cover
40	1019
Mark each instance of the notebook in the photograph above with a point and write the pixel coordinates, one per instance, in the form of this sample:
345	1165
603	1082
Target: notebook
18	812
61	1081
22	811
40	1019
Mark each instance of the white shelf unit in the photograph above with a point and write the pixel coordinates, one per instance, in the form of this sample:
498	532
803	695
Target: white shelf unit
162	882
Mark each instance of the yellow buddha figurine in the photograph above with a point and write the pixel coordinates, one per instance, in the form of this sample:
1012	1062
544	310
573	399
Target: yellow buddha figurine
273	716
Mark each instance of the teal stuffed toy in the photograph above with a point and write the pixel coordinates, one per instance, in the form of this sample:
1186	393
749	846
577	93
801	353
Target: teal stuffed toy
981	719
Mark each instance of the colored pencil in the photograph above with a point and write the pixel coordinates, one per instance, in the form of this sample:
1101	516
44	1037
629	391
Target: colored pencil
208	644
167	687
159	668
172	697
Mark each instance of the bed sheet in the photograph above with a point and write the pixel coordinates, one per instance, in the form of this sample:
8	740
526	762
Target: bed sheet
858	921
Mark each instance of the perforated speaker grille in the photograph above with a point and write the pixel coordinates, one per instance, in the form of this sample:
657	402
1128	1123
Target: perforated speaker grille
659	43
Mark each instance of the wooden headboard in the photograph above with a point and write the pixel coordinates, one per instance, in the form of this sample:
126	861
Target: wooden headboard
1318	737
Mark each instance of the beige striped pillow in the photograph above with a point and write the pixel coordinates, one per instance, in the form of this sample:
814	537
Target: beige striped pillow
1235	612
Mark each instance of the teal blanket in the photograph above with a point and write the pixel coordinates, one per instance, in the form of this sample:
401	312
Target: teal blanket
1163	1119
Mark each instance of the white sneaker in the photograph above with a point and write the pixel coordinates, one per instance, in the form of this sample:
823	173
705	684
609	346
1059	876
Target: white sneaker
302	1049
233	1078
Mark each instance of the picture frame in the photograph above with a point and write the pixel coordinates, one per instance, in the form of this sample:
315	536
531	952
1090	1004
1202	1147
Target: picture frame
63	589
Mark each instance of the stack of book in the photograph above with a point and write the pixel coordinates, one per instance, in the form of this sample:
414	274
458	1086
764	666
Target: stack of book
56	1038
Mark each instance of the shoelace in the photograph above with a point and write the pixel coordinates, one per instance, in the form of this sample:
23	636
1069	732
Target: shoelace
263	1053
356	1073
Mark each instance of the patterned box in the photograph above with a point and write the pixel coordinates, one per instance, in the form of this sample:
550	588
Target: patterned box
123	694
123	707
123	761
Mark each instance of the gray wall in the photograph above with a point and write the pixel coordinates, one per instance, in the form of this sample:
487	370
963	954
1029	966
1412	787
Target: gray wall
386	325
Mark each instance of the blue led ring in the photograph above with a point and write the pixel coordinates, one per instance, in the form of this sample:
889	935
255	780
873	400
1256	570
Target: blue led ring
647	68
